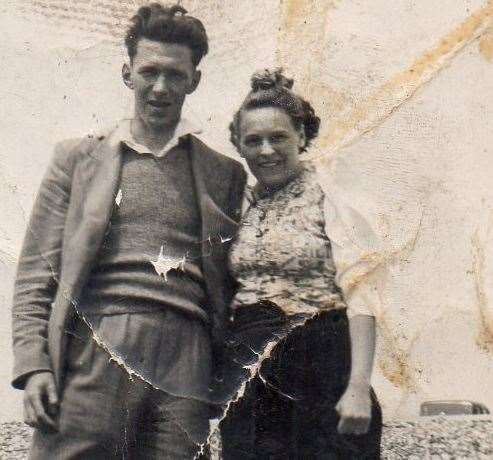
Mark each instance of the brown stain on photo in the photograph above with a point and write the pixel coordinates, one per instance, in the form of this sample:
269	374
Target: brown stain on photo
302	49
486	45
293	11
374	110
484	339
300	40
395	369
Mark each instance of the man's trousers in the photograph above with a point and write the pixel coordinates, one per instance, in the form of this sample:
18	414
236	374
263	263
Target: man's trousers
106	413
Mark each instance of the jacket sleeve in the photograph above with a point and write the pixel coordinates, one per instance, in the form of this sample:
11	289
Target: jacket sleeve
228	284
236	192
38	269
235	196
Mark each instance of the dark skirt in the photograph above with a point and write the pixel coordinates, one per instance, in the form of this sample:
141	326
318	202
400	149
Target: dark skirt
288	409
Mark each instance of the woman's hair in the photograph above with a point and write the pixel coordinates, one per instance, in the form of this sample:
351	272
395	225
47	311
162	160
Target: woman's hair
167	25
270	88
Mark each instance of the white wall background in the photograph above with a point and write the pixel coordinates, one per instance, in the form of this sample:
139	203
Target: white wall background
421	175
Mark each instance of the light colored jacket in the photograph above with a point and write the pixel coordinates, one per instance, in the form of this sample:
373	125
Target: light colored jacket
66	229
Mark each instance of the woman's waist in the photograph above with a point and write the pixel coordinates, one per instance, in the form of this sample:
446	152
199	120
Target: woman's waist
291	298
265	316
254	327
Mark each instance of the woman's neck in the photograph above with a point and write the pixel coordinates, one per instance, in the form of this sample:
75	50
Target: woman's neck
262	189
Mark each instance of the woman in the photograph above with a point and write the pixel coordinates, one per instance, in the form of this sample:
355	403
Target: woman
312	397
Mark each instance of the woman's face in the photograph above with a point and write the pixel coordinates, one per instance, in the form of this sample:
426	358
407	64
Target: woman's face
270	144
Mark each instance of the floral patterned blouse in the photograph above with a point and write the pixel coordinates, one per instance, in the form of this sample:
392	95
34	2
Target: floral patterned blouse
282	253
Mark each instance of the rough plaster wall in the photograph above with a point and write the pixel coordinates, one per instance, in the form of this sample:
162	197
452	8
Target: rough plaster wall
418	177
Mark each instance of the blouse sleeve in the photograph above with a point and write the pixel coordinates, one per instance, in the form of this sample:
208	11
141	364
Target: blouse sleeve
355	261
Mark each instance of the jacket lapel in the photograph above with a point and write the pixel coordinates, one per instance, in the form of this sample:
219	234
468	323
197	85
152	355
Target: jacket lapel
211	187
94	186
96	183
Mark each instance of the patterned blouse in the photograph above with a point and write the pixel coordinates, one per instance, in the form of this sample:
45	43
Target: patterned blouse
282	253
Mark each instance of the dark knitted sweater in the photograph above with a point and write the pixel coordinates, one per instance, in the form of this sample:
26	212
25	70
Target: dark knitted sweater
150	257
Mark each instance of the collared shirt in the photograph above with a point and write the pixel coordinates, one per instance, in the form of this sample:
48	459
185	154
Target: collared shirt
300	229
123	133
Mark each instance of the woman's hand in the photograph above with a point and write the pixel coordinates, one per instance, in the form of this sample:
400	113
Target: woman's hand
354	409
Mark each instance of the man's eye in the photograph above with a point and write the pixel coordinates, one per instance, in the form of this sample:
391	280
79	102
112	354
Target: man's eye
147	73
176	76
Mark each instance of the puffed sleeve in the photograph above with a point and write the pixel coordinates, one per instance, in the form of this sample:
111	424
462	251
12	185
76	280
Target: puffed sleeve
356	258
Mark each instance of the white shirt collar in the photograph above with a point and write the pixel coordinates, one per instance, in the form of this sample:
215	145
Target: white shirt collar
123	133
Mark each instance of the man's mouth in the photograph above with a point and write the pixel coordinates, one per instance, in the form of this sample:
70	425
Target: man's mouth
159	104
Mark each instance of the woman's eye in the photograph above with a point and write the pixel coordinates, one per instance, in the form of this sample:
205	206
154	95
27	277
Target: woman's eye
252	141
278	138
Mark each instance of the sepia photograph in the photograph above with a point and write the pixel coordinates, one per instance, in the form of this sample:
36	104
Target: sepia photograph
246	229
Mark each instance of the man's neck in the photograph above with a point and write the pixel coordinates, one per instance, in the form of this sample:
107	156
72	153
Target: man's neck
153	139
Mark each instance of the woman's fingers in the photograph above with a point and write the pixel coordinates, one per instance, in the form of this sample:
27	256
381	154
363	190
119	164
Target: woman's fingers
354	409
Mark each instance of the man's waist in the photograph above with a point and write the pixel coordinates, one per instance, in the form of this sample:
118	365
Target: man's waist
109	305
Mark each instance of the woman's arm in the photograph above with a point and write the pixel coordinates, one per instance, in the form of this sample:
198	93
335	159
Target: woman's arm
354	407
362	332
358	269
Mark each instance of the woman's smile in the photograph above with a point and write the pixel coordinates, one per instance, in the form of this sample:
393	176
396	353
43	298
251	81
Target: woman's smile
271	145
270	163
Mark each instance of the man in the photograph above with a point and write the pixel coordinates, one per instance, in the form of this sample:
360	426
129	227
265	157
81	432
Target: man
122	279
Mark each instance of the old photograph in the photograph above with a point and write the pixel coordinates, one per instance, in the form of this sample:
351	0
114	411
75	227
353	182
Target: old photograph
246	230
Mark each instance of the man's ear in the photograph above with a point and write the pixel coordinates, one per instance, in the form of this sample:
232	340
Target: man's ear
127	76
197	75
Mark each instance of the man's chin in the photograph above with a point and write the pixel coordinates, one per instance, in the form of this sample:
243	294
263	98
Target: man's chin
161	122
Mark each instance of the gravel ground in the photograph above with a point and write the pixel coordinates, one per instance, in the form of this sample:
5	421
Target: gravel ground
434	438
439	438
14	440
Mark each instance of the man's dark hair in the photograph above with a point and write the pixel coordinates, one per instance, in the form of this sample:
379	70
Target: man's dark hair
167	25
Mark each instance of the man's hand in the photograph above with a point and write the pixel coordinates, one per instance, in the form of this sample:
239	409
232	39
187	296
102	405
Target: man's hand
41	401
354	409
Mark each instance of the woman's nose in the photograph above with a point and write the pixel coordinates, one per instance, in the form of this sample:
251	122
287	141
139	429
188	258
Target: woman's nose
266	148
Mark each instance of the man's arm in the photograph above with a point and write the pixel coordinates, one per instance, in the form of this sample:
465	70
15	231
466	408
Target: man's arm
221	313
237	191
38	270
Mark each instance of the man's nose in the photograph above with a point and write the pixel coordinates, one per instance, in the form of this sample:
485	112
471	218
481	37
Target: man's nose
160	85
266	148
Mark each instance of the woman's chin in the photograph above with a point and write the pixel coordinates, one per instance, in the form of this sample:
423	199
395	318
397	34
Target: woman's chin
275	181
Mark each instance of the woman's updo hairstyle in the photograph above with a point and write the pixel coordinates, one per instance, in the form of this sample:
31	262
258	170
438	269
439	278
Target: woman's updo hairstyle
270	88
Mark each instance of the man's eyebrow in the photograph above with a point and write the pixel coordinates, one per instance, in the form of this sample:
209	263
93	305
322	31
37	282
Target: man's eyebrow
158	65
147	66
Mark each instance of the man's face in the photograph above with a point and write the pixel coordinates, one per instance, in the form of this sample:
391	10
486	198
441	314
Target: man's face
161	75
